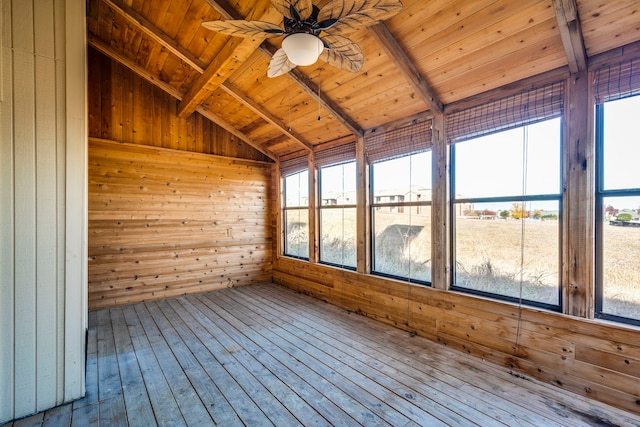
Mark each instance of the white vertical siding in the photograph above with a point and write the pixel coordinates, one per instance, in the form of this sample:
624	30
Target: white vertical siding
46	208
75	256
6	216
42	204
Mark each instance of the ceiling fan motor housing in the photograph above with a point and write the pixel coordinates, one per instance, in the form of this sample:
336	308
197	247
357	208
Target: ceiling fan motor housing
308	26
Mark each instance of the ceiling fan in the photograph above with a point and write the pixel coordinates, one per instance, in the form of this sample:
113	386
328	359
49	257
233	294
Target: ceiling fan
303	24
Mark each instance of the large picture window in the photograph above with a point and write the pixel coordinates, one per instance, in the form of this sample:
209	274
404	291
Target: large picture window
296	215
401	217
506	208
338	215
618	210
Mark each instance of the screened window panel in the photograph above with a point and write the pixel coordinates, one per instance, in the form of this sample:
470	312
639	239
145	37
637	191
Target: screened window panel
617	81
491	166
618	219
338	236
621	148
294	165
338	185
296	232
488	251
296	190
336	155
412	139
619	252
401	217
402	246
507	113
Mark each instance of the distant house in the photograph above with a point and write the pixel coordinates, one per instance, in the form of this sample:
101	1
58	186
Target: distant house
338	199
415	194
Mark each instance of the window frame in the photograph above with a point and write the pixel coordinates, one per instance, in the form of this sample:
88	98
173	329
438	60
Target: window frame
372	208
600	194
286	209
500	199
322	207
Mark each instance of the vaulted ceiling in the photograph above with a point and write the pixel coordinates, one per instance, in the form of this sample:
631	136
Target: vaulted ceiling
433	53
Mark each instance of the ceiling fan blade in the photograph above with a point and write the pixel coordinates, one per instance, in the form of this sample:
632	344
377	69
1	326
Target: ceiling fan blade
344	16
279	64
241	28
342	53
294	9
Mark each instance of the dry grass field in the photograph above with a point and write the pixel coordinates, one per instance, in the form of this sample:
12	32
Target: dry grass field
621	271
489	253
493	256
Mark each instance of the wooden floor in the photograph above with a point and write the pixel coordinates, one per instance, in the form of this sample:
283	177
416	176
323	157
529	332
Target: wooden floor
262	355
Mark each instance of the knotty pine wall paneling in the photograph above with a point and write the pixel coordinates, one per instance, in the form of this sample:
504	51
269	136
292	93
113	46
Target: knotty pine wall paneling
585	356
124	107
165	222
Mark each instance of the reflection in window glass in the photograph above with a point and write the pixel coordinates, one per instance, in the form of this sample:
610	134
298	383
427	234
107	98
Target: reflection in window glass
618	251
507	245
338	215
401	216
296	215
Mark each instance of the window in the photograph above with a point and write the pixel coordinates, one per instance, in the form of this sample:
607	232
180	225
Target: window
506	197
401	217
618	210
296	215
338	215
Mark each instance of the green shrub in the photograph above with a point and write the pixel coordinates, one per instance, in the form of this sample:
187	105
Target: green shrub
624	217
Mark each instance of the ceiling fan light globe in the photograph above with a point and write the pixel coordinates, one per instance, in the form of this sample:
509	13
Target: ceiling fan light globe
302	49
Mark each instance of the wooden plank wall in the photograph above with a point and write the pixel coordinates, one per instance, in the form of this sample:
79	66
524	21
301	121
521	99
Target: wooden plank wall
43	312
124	107
584	356
167	217
167	222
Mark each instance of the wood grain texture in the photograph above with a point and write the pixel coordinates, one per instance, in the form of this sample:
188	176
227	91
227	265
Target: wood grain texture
441	221
461	48
265	355
583	356
168	222
124	107
579	234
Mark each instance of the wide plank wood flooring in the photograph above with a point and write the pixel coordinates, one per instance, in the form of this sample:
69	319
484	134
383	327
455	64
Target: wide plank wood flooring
264	355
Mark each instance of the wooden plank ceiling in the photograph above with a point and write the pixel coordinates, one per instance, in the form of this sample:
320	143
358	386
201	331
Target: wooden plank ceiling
431	54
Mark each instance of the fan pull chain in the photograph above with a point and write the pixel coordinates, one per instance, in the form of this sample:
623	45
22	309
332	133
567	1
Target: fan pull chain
319	91
525	163
289	92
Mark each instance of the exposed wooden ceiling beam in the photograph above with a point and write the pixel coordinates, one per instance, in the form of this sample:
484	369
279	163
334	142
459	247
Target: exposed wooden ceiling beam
233	131
400	123
406	66
232	54
101	46
627	52
106	49
251	104
227	12
571	34
156	34
164	40
224	9
312	90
